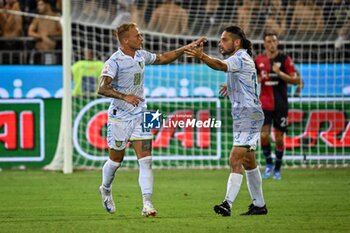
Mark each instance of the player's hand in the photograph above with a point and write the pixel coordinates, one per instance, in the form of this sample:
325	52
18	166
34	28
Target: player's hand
299	88
133	100
195	51
276	67
198	42
223	90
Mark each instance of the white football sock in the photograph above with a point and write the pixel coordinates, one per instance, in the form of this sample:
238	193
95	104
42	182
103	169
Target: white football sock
108	173
255	186
233	185
146	178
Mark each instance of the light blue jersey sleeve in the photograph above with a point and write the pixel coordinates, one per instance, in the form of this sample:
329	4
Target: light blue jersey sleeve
110	69
149	57
234	64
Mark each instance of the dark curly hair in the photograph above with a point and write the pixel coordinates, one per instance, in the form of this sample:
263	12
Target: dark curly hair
246	44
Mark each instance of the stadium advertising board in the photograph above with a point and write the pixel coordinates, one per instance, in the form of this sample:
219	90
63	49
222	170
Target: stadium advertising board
191	129
317	130
28	131
23	132
169	81
31	82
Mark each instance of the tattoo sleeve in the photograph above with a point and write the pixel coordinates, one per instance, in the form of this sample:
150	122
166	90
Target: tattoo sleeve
105	88
168	57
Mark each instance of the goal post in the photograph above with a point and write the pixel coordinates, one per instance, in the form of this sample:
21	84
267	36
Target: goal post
63	158
67	98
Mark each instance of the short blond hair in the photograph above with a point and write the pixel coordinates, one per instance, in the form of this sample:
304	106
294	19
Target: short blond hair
123	29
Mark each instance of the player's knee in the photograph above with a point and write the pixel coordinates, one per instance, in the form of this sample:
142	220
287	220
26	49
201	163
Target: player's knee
116	155
279	143
265	136
249	161
236	163
265	140
249	165
236	167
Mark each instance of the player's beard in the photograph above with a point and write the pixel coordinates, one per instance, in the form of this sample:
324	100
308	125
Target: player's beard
226	53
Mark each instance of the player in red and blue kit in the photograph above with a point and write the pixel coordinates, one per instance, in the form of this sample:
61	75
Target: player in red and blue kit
275	71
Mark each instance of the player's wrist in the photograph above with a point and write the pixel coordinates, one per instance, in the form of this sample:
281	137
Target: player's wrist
201	56
180	51
122	96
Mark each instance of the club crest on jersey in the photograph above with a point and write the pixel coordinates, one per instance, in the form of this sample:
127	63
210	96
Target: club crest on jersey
118	143
141	64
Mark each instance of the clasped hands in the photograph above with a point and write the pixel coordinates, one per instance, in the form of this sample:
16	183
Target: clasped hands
195	49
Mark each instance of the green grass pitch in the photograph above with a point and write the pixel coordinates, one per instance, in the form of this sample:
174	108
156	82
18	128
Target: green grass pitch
306	200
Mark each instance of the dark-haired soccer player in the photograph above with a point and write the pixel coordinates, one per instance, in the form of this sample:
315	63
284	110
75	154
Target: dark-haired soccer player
275	71
247	114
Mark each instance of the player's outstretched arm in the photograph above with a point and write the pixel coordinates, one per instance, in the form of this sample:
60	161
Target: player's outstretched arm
171	56
105	88
214	63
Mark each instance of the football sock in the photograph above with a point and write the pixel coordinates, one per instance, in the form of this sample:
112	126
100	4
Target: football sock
267	153
233	185
147	198
278	161
108	173
146	177
255	186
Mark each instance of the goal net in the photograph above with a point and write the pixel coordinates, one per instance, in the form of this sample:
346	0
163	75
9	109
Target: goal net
315	34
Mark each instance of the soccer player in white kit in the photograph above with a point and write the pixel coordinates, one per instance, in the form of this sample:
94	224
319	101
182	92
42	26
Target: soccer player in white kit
123	80
247	114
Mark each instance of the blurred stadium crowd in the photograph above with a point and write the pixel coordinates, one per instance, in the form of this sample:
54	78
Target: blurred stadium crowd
30	40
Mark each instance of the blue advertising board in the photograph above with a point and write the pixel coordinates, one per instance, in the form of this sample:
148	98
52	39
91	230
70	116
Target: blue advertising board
31	82
325	80
321	80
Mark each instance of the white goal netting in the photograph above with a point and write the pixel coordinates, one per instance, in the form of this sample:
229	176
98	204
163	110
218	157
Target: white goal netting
314	33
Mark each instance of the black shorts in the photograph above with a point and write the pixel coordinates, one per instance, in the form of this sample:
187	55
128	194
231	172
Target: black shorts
278	118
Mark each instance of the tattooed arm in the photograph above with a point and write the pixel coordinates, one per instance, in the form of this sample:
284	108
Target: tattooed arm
105	88
171	56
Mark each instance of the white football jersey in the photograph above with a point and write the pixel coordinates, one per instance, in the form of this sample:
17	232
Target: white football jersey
242	86
128	78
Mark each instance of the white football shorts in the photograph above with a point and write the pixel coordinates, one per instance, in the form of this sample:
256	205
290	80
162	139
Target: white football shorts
247	132
120	132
